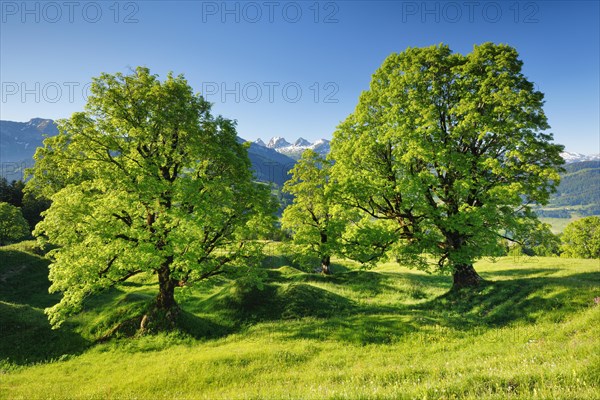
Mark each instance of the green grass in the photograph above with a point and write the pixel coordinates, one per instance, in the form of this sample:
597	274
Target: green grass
529	332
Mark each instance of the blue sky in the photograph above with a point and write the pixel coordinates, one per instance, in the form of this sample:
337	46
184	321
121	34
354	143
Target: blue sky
290	68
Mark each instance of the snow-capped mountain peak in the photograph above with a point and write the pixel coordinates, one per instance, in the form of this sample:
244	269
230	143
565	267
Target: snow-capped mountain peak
570	157
260	142
277	142
295	150
301	142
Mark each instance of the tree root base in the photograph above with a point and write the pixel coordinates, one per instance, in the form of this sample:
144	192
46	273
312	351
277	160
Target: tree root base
157	320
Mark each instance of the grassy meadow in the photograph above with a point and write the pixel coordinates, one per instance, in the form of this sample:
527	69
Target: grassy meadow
531	331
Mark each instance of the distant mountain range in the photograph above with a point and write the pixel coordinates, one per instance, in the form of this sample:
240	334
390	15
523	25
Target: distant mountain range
322	146
578	157
271	161
295	150
18	141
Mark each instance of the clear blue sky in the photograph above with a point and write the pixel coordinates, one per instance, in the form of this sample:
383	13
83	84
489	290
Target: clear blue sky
251	58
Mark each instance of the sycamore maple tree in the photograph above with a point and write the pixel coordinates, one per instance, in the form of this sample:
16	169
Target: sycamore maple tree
453	150
146	181
310	217
322	227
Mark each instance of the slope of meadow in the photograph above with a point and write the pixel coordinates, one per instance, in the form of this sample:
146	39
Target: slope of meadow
391	332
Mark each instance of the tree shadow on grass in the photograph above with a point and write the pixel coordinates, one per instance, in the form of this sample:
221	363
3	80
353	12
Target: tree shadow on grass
203	328
360	281
520	272
27	337
312	312
273	261
493	305
353	329
24	279
309	311
528	300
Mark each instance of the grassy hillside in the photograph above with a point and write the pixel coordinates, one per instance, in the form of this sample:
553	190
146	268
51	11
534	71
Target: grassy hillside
530	332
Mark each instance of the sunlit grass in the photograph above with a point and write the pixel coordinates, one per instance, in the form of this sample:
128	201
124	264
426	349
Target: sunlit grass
530	332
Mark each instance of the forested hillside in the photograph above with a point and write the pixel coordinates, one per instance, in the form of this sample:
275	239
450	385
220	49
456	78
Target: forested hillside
578	193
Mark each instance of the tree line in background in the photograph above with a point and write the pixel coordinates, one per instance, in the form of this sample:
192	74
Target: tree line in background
31	206
443	159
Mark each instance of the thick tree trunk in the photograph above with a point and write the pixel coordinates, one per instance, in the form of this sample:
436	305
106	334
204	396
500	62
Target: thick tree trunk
465	276
325	262
162	315
325	259
166	287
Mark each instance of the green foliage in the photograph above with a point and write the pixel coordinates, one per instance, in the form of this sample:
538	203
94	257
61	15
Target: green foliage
533	238
542	243
13	227
450	147
366	239
31	205
581	238
145	181
315	231
322	227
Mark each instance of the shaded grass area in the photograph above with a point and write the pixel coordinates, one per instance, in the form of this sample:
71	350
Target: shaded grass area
25	334
529	331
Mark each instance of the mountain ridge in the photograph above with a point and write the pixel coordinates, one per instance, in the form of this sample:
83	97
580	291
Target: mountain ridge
271	161
571	157
19	140
295	150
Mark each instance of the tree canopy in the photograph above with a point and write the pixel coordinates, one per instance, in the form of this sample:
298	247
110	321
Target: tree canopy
581	238
13	226
310	217
453	149
146	181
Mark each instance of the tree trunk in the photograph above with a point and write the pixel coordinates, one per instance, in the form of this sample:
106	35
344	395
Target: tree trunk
325	262
325	258
166	287
465	276
162	315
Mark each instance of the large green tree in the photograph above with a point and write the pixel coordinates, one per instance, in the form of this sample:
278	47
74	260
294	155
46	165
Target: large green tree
315	231
453	149
581	238
145	181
